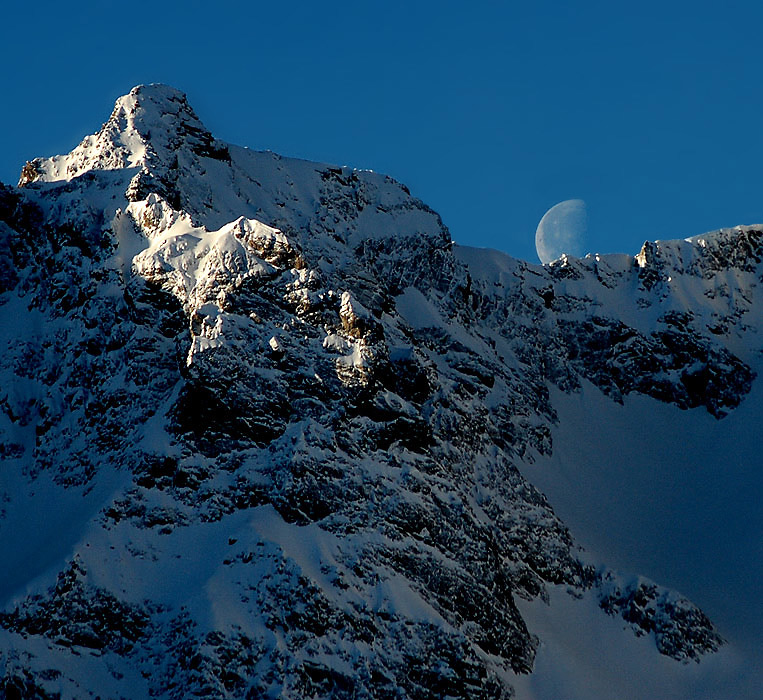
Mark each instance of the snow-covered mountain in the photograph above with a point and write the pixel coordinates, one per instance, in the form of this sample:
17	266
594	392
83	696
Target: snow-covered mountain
267	432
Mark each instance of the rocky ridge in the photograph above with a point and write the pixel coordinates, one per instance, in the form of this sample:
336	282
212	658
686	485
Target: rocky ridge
288	418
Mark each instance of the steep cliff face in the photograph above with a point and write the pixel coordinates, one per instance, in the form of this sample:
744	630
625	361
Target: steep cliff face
264	427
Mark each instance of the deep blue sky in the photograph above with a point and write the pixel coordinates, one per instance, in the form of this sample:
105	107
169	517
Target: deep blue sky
490	112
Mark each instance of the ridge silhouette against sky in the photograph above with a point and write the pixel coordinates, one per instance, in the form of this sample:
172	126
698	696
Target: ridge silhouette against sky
490	112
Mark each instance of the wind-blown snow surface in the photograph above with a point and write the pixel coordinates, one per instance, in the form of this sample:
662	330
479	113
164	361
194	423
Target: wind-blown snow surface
266	432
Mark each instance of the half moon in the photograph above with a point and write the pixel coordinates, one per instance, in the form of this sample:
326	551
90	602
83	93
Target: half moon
562	230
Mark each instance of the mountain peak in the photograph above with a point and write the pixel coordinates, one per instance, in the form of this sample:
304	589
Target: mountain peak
163	123
154	107
154	143
157	94
146	129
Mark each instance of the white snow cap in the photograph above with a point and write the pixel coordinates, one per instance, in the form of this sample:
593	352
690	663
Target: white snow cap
146	127
149	107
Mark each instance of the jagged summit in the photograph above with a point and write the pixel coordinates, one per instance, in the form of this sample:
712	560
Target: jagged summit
149	128
154	145
148	104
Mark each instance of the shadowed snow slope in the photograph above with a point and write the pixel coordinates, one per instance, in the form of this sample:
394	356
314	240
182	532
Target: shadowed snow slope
267	432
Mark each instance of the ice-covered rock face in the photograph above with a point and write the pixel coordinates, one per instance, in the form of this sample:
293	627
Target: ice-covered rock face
285	421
